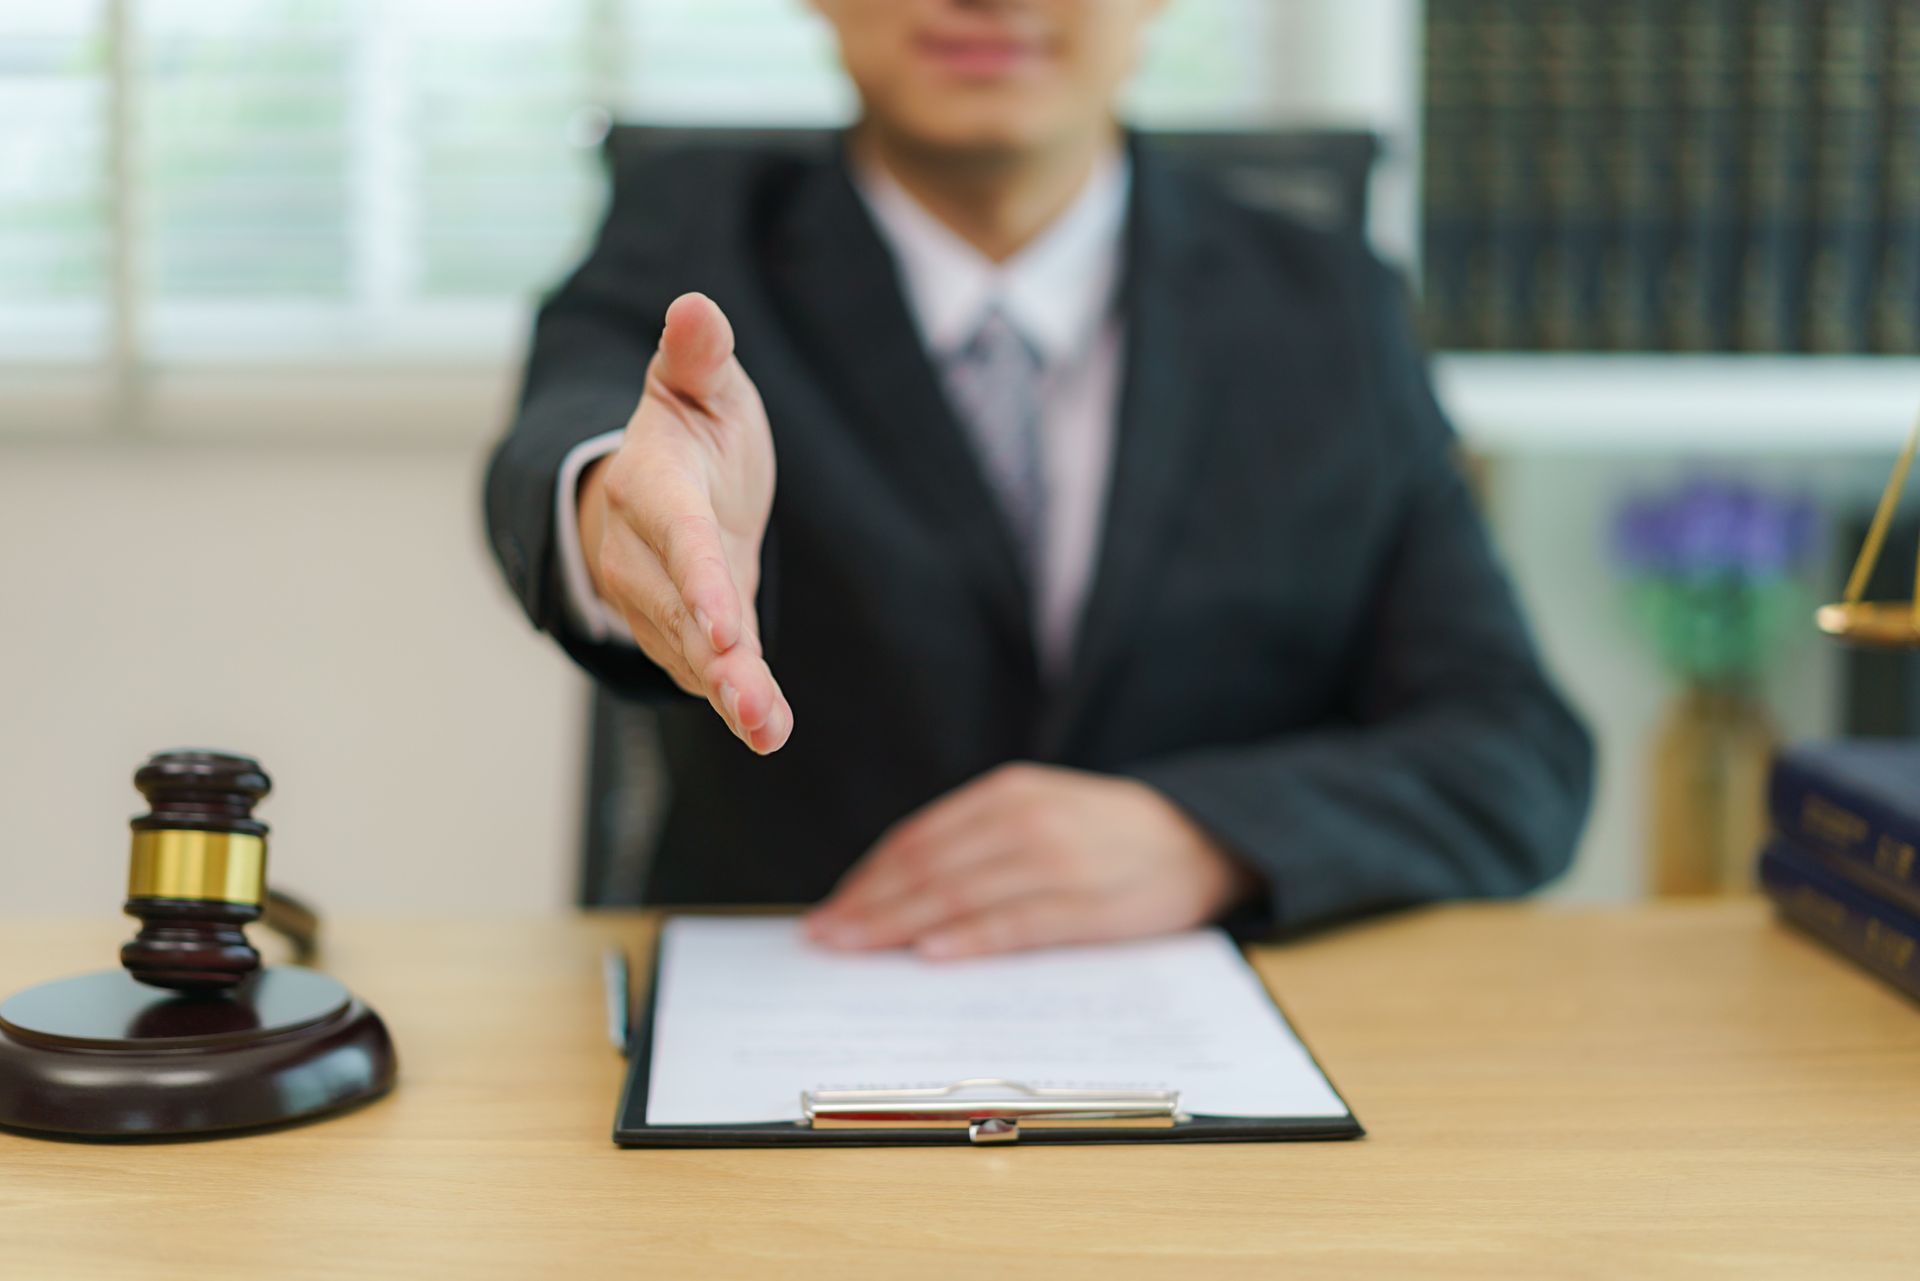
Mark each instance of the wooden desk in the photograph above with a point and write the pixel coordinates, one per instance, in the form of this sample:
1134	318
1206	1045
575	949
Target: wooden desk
1676	1091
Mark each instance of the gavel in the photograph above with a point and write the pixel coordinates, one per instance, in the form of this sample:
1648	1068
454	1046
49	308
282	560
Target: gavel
192	1035
198	871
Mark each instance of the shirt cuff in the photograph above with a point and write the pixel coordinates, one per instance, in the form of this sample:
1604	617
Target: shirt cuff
586	614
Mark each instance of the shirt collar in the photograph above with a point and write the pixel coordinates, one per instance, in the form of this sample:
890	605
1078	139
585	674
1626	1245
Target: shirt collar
1057	291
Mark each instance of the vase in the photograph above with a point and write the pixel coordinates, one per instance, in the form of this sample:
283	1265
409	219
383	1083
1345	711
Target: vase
1709	793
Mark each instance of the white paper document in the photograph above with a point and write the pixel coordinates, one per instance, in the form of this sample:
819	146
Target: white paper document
748	1014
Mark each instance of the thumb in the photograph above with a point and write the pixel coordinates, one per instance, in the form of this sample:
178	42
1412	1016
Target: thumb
695	349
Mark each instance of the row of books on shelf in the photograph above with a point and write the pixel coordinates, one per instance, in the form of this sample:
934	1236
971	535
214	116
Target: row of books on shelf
1673	175
1843	862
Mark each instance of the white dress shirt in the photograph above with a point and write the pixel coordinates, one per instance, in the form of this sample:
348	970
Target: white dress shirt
1061	293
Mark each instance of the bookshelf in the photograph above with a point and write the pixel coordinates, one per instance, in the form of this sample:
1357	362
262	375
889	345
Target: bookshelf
1672	119
1360	62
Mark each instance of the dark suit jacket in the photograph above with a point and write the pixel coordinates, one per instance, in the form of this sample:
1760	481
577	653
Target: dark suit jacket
1297	630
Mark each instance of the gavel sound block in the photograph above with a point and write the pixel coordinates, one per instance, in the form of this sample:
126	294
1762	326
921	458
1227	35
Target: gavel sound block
192	1035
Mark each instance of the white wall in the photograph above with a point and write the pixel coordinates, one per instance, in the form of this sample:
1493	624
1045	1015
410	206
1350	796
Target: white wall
329	609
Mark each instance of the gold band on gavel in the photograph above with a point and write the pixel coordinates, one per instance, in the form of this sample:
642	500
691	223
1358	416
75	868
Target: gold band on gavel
220	867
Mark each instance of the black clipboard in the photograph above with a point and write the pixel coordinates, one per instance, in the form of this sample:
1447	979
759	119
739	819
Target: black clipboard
631	1130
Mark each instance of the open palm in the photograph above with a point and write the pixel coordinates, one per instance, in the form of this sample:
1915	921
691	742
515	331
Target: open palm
673	522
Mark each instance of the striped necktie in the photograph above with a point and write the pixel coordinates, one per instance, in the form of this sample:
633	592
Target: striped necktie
995	380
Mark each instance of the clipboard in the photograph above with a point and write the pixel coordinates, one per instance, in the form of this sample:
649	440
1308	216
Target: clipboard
976	1112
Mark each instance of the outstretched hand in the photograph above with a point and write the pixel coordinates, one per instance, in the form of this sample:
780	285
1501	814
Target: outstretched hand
672	523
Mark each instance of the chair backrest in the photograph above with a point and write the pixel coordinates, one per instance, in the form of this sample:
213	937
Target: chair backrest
1320	176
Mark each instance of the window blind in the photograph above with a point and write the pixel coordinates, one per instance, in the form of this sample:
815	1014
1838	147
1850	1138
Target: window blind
318	181
54	261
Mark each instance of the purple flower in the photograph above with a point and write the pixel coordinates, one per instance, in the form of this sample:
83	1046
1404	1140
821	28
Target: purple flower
1714	528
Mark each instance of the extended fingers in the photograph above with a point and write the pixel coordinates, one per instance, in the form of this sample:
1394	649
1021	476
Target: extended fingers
675	521
743	689
634	575
697	563
737	682
663	653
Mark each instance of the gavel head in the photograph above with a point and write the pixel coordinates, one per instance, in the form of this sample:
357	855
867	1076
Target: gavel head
198	871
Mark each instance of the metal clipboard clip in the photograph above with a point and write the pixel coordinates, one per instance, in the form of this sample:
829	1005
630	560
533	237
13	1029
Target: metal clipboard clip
990	1109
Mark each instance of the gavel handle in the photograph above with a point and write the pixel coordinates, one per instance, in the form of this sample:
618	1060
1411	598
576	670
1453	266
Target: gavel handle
294	921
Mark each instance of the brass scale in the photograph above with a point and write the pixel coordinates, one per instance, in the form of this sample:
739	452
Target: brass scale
1882	624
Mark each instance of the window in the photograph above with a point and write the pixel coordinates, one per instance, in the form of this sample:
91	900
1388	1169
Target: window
54	166
371	180
210	184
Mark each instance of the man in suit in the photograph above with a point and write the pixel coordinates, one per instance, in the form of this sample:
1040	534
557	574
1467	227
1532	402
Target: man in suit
1118	576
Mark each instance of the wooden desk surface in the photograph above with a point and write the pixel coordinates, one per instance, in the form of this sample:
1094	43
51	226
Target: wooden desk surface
1684	1091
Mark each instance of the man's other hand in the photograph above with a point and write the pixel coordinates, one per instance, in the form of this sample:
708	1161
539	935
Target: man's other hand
1032	856
672	522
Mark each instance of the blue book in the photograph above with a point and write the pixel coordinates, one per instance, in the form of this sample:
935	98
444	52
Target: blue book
1874	934
1857	802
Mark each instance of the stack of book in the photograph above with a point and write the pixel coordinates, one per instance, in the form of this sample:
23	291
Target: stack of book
1842	863
1673	175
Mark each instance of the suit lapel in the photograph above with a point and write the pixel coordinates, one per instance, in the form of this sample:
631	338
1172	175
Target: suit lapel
847	308
1165	406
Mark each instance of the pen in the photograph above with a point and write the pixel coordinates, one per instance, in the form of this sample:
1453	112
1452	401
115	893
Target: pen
613	972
